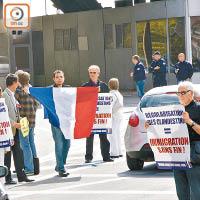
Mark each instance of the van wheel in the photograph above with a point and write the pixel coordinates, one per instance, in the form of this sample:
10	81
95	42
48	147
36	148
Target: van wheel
134	164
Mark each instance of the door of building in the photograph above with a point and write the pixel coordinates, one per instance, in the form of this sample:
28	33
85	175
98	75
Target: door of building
21	53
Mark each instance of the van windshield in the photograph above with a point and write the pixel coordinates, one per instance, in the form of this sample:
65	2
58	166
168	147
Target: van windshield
159	100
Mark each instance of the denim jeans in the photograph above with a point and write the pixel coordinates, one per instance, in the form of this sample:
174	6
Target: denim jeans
140	88
188	183
29	150
62	146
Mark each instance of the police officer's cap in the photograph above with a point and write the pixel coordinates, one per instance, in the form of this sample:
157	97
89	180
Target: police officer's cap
157	53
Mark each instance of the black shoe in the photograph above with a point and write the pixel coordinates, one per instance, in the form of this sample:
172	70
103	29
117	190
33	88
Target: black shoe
10	182
108	160
114	156
36	164
63	173
88	161
56	170
120	156
25	179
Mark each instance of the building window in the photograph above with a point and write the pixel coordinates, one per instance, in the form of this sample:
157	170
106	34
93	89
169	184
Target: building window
195	34
74	38
127	36
109	41
119	36
22	58
38	52
66	39
176	32
58	39
151	37
67	43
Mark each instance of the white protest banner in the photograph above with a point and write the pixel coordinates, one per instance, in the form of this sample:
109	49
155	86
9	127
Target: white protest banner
103	117
168	136
5	127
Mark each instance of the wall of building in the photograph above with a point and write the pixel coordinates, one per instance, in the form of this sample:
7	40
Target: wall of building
72	42
90	25
4	44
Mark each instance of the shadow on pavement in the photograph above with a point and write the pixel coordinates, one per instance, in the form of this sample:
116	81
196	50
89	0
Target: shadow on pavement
148	171
55	179
92	164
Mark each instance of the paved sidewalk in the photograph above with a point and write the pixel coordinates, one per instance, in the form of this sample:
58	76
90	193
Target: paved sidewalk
130	99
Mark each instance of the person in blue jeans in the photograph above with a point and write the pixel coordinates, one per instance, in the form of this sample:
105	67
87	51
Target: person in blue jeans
27	107
138	75
62	145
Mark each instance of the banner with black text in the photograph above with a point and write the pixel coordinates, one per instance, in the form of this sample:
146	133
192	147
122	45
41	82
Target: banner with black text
168	136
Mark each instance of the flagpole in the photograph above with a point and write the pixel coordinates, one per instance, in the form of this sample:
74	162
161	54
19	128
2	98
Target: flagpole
45	7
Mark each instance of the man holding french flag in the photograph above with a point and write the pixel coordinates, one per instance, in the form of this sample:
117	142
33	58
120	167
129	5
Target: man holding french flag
71	112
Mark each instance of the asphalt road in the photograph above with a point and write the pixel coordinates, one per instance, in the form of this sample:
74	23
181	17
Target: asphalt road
97	180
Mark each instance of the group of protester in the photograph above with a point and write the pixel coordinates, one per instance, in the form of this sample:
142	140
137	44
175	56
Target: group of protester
21	104
183	71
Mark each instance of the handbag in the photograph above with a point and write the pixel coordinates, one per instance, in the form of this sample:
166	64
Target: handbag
195	152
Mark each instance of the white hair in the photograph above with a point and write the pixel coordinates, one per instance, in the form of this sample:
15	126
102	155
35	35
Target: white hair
94	67
187	84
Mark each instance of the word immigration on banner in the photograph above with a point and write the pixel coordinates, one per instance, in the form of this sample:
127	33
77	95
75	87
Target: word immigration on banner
168	136
103	117
5	127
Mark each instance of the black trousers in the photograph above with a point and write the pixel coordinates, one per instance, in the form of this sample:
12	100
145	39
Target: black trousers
104	144
18	159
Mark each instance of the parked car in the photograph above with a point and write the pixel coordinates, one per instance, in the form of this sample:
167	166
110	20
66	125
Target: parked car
3	173
137	147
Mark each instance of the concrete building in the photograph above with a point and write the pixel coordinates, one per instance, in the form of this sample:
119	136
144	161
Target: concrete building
106	37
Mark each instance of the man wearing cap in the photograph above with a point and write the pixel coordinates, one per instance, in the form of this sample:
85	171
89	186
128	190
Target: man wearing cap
158	70
183	69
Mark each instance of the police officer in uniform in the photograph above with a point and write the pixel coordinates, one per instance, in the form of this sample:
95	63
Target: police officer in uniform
158	69
183	69
138	75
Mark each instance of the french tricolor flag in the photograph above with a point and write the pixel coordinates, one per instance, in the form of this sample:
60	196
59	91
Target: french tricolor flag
70	109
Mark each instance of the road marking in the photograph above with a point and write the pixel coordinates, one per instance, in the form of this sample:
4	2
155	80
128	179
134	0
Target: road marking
17	194
59	190
81	167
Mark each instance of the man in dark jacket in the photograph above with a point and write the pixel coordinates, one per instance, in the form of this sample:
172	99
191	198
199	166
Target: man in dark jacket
94	81
188	181
158	70
138	75
183	69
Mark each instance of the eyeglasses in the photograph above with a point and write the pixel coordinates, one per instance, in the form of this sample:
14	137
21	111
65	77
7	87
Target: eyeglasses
92	72
182	93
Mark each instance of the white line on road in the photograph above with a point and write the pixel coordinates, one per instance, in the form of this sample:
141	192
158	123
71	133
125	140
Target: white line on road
17	194
81	167
28	193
